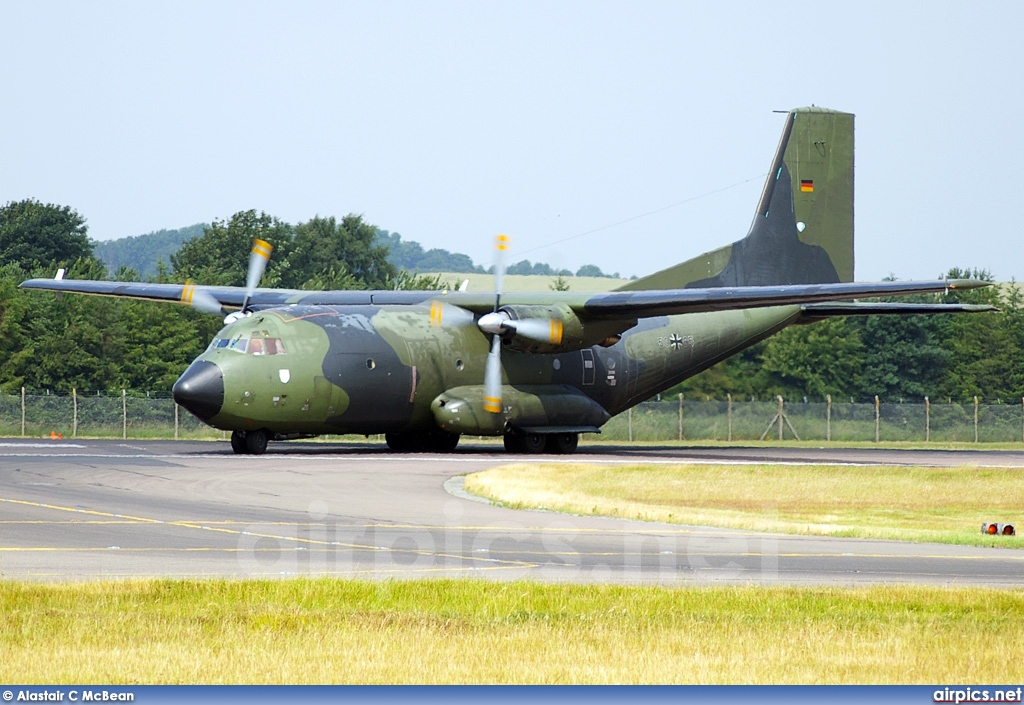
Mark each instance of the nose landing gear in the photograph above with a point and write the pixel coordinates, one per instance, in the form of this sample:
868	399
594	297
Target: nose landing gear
250	442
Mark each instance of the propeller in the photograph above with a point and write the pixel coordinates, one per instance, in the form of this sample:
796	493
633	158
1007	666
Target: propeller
204	301
492	371
498	324
258	258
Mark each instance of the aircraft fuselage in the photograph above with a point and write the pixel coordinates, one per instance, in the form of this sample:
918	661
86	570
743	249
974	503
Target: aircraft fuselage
300	370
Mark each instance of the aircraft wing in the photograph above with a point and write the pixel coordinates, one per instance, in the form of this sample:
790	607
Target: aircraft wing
608	305
666	302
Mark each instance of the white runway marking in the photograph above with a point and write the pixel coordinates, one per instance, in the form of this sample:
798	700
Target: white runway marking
41	445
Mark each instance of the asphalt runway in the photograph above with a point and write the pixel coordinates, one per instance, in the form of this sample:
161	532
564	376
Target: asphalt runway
84	510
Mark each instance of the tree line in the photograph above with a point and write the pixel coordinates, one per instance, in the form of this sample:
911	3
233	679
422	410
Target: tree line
106	344
144	253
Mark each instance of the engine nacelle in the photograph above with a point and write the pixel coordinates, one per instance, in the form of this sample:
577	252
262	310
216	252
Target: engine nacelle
569	331
461	410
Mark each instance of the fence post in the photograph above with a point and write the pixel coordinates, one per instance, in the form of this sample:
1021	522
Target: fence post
828	417
729	414
629	418
680	416
74	415
780	416
175	420
23	412
124	414
927	419
975	419
877	406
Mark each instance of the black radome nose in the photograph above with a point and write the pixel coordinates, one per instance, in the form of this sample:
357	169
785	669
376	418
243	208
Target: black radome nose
200	389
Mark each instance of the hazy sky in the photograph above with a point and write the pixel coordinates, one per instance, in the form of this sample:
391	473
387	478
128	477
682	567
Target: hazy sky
630	135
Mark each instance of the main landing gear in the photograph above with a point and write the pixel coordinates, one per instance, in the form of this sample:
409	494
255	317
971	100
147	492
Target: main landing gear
255	442
533	443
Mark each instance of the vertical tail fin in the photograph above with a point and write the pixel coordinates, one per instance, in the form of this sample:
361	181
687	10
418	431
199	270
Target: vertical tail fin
802	232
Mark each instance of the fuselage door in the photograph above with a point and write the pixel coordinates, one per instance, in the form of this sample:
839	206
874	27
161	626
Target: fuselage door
589	366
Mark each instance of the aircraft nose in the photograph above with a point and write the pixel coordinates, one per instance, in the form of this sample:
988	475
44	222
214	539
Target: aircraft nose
200	389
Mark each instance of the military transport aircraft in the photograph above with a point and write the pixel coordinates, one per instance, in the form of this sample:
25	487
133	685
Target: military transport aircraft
424	367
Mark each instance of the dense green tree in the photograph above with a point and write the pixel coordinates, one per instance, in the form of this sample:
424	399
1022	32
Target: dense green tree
902	357
16	313
522	267
437	260
402	254
38	236
221	256
740	375
411	256
590	270
73	342
160	340
814	360
322	245
144	253
984	349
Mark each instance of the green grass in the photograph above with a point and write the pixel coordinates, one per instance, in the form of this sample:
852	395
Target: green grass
340	631
946	505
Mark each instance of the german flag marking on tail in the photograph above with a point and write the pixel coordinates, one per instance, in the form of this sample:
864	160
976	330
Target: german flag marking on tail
807	185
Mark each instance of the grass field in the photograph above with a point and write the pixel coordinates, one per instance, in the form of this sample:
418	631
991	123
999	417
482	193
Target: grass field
946	505
467	631
336	631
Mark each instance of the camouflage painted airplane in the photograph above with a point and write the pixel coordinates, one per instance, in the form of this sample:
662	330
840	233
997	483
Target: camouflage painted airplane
424	367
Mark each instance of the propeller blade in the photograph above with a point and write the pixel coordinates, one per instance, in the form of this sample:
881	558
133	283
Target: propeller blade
493	323
200	299
442	314
543	330
500	246
492	378
258	259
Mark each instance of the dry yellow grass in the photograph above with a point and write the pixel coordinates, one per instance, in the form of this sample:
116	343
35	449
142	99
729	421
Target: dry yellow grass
331	631
909	503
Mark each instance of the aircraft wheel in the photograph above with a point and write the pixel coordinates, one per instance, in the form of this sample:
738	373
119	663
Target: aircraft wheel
256	441
398	442
442	442
534	442
238	442
563	443
513	442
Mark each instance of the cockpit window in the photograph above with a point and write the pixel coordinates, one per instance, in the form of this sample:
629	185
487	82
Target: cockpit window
256	345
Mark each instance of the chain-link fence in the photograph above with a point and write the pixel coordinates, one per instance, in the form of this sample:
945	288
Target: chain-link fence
131	416
98	415
681	419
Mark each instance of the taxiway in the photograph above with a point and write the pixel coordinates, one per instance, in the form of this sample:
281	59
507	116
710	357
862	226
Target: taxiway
84	510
